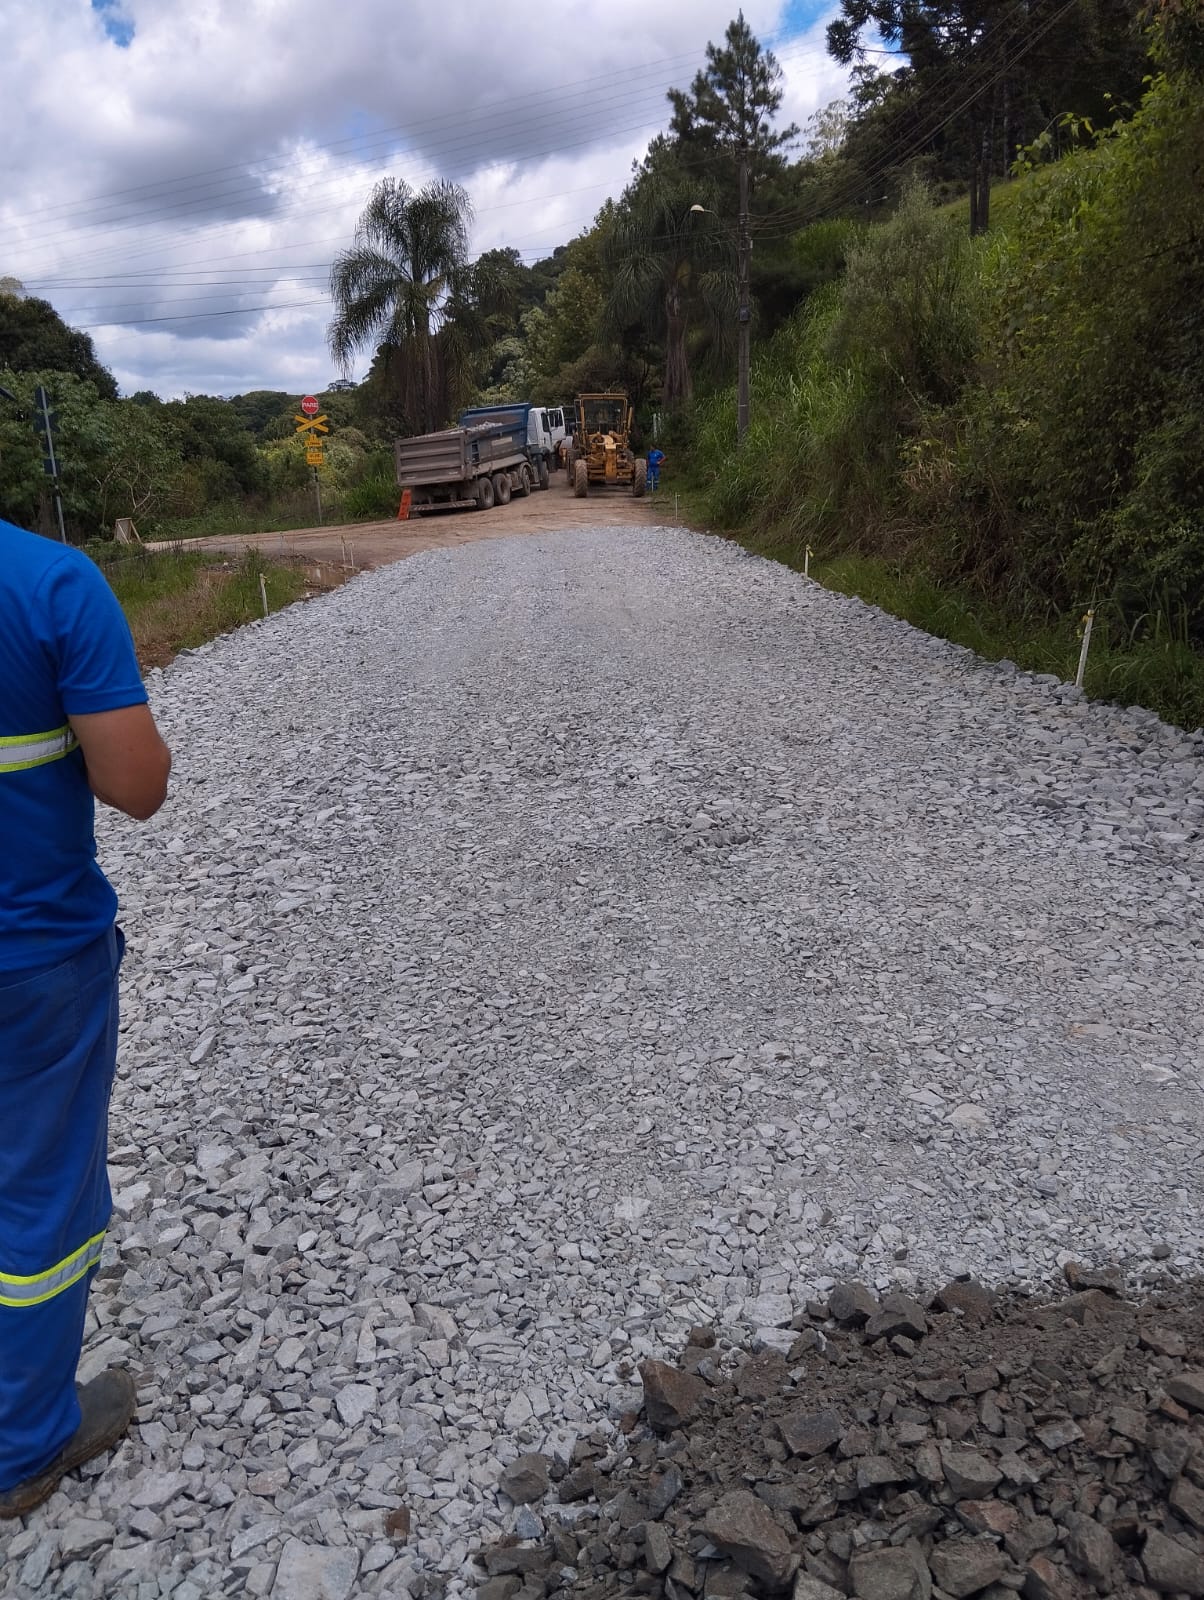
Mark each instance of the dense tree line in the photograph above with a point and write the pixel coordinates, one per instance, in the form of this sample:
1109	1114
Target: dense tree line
163	464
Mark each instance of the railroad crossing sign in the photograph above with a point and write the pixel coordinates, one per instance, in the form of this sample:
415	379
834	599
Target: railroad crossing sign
311	427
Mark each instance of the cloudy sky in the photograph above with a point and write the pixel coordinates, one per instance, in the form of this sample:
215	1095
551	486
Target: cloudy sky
179	173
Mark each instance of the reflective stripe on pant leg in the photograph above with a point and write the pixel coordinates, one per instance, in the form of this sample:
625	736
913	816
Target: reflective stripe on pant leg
58	1041
31	1291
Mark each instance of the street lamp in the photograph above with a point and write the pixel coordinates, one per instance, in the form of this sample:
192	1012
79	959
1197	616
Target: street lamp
743	252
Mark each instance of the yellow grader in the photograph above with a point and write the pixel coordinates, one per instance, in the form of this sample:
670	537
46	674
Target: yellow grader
601	450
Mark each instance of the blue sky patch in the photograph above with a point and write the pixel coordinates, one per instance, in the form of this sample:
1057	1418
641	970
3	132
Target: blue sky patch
115	25
799	15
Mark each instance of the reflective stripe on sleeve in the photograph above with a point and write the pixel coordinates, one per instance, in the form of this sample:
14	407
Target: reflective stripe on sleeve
45	1285
35	749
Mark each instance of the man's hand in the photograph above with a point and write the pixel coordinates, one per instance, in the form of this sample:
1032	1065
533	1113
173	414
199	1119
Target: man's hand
128	763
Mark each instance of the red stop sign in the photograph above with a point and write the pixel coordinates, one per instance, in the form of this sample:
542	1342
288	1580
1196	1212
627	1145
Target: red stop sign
310	405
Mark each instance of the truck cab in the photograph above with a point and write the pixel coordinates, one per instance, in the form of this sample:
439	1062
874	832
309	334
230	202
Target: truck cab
557	425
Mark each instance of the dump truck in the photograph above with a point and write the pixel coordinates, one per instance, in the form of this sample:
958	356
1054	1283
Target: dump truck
601	452
540	427
476	466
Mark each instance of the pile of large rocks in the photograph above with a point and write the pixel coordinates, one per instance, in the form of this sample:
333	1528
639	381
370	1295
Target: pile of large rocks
896	1451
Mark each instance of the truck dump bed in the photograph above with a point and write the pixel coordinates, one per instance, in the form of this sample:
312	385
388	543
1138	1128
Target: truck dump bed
443	468
433	458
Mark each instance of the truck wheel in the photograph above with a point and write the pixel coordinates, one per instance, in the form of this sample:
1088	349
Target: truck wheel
484	494
580	480
501	488
545	477
523	488
639	481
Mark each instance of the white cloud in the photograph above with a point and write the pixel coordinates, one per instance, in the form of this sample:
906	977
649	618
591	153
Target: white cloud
218	162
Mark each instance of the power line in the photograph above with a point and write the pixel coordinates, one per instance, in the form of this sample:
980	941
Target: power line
465	139
232	311
354	143
163	272
923	138
195	316
391	133
250	190
467	132
296	273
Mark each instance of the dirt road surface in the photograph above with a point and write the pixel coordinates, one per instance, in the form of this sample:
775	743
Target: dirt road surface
376	544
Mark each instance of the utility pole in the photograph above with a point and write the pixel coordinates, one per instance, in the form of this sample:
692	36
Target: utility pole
744	249
44	420
743	314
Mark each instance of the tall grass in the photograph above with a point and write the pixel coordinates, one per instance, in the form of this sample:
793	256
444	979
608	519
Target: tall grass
371	499
177	599
234	518
813	461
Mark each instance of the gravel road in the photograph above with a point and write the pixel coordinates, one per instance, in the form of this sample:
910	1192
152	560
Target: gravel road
552	943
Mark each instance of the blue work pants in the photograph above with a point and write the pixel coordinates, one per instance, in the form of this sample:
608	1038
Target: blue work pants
58	1052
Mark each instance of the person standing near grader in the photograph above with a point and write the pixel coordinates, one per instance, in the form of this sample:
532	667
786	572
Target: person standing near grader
74	725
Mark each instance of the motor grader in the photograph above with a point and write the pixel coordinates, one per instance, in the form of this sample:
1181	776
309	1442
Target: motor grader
601	450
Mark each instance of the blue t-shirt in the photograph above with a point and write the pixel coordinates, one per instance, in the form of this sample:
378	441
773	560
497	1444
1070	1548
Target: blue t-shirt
65	650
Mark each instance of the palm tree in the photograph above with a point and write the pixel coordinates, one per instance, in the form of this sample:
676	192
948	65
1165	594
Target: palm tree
394	285
670	269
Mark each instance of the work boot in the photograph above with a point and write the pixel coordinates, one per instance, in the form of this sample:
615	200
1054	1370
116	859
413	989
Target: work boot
107	1407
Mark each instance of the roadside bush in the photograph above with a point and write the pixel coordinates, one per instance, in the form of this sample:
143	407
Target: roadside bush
906	312
1085	442
371	499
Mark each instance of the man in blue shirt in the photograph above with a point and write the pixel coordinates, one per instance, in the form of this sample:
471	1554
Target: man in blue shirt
656	458
74	723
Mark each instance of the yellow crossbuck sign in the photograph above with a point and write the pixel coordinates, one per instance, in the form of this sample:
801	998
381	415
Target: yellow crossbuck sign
312	424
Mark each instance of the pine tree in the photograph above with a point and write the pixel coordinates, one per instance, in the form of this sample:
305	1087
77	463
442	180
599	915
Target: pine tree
732	103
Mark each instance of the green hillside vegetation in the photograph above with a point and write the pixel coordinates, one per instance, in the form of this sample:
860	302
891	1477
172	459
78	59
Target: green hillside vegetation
993	434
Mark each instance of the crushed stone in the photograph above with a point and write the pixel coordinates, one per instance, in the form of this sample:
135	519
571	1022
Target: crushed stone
554	945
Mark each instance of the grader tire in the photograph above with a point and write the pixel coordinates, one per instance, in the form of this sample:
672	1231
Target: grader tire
580	480
524	482
639	480
501	488
484	494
